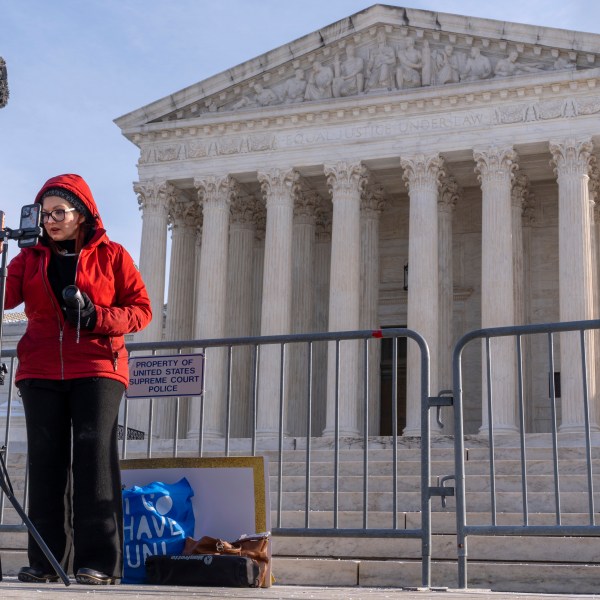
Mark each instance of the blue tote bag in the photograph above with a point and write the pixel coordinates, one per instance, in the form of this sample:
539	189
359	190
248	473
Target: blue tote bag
156	520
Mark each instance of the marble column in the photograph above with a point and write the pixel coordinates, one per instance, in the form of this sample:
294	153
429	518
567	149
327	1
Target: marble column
242	232
372	205
277	295
211	286
421	175
448	196
344	181
179	323
571	158
153	198
495	166
520	196
522	199
321	295
306	202
595	217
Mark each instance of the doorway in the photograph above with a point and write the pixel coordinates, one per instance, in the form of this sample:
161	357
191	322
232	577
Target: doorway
387	369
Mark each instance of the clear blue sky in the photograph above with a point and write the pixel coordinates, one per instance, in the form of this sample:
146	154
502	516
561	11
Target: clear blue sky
75	65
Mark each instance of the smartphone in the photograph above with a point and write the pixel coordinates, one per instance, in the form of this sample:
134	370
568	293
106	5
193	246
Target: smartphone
2	230
30	220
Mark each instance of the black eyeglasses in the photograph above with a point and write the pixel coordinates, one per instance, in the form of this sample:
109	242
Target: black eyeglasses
58	214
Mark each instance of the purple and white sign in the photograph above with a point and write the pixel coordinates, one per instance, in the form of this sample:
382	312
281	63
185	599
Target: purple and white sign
163	376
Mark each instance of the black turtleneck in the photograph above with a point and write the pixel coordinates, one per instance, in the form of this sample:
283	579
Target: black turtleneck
61	270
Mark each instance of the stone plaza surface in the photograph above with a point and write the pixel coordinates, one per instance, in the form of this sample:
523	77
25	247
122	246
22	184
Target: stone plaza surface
11	589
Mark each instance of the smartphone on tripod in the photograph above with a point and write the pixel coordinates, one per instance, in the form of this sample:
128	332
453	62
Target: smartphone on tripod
30	224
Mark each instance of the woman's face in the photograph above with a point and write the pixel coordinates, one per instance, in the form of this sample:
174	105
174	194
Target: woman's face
61	230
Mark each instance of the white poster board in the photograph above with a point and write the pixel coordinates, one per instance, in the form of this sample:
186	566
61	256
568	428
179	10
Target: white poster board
231	494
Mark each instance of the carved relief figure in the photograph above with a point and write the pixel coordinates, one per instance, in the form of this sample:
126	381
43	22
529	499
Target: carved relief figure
211	105
319	82
446	67
563	63
263	97
508	66
380	68
477	67
295	88
349	79
408	72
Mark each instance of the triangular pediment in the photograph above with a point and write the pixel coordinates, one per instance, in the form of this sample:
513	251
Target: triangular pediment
381	50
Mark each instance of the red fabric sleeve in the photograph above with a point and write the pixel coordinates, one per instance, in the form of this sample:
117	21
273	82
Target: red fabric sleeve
131	310
14	282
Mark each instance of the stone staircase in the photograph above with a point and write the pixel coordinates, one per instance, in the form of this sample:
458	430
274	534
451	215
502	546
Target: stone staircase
520	564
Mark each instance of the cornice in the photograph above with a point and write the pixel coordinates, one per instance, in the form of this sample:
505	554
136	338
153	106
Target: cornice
511	98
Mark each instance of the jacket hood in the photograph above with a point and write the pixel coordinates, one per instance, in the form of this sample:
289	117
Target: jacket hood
76	185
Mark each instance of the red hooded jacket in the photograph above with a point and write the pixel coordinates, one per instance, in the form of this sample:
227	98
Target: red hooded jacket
107	274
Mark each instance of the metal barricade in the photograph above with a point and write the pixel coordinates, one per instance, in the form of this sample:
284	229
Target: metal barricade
205	445
525	528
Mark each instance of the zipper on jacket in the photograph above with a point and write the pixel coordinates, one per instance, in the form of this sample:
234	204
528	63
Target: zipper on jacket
61	325
115	355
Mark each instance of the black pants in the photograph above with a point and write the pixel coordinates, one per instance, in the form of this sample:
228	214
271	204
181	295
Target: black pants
74	476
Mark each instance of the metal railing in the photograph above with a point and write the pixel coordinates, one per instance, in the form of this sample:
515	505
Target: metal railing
496	504
286	521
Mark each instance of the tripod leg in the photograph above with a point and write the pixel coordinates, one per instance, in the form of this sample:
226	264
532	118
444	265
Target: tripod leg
38	538
7	488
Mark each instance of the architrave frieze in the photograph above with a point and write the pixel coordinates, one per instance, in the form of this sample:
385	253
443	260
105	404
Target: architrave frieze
545	98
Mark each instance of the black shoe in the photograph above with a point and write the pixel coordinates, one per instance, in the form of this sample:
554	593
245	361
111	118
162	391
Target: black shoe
33	575
93	577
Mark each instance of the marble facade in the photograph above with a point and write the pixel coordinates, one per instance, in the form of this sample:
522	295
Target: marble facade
298	184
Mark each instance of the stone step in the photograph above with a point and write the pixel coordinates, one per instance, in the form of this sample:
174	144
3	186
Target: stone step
412	483
16	461
441	522
438	468
411	501
484	548
557	578
446	453
514	576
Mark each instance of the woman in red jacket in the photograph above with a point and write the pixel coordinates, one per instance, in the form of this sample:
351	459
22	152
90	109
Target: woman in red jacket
71	376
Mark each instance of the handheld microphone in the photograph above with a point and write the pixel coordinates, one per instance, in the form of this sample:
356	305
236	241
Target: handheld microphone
72	297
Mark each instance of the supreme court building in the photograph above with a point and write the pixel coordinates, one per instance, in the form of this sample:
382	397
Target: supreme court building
298	185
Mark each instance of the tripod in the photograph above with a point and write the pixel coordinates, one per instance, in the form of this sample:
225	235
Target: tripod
5	484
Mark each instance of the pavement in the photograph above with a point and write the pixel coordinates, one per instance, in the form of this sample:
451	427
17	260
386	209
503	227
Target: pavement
12	589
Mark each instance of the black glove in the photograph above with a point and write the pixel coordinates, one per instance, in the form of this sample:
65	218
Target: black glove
85	316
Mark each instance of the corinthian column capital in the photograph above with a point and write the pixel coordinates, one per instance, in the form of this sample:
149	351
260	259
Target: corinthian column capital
244	205
422	171
183	212
571	156
154	196
213	190
306	199
276	185
520	191
344	179
373	200
449	193
595	186
495	163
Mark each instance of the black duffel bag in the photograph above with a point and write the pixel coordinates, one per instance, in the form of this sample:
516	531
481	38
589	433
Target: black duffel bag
203	569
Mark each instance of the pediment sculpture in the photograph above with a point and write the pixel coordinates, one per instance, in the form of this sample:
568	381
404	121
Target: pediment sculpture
394	60
3	83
